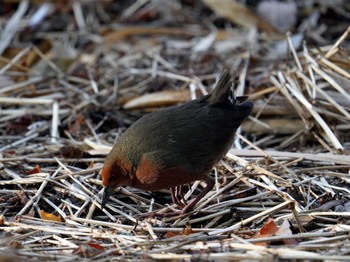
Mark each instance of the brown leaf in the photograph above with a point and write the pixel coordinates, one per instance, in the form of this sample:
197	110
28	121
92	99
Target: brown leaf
49	216
268	230
171	234
96	246
35	170
156	99
187	231
271	229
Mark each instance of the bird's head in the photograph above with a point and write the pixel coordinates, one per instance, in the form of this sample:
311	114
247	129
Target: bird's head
114	174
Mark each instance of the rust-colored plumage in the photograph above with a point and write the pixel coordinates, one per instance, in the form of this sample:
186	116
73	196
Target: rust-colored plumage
177	145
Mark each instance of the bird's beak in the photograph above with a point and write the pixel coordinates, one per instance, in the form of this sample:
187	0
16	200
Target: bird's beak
106	195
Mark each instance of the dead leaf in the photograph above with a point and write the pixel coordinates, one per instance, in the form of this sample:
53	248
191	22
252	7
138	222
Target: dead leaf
156	99
96	246
187	231
50	216
171	234
88	250
35	170
268	230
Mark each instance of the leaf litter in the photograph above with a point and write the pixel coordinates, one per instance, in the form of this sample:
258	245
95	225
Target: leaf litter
66	96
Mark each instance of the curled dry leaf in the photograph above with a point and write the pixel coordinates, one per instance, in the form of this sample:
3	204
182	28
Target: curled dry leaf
35	170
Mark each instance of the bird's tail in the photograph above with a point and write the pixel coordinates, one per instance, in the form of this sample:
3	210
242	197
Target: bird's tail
222	91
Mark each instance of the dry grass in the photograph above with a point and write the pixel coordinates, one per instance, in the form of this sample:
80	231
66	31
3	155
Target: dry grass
60	114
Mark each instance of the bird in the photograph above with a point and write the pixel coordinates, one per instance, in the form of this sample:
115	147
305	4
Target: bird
175	146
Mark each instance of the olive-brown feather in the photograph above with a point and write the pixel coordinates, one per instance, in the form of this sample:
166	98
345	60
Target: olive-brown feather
177	145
